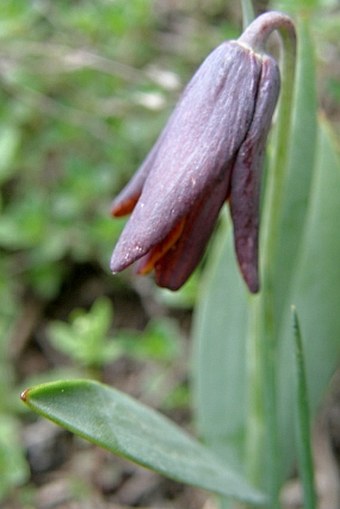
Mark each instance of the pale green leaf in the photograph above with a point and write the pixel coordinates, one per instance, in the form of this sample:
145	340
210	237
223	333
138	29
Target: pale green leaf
219	335
316	291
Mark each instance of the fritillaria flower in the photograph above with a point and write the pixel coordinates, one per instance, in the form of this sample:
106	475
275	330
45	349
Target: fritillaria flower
210	152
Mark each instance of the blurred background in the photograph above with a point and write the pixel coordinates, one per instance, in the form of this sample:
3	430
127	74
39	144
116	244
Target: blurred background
85	88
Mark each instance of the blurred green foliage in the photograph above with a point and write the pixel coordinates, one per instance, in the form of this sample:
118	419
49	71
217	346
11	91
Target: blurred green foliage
13	467
66	145
87	340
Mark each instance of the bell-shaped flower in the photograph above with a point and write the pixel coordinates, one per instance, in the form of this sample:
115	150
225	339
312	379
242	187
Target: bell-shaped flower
210	152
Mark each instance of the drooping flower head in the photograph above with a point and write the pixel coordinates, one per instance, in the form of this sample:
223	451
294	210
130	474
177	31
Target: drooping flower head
210	152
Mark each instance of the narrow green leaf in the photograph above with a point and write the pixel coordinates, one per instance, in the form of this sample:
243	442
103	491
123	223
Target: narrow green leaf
127	428
303	420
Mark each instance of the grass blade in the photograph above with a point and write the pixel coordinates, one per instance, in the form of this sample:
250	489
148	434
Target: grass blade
305	457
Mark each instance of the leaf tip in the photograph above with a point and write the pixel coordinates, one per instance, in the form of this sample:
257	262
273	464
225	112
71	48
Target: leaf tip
295	317
24	395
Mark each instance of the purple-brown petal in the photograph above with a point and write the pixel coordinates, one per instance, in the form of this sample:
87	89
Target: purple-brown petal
201	140
246	176
175	267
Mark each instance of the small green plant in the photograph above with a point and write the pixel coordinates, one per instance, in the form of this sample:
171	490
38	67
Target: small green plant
14	469
86	338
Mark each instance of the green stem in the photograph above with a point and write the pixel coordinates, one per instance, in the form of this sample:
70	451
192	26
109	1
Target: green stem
277	170
263	416
272	211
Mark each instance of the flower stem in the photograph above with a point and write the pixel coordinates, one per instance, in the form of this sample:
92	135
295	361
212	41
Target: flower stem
277	170
263	417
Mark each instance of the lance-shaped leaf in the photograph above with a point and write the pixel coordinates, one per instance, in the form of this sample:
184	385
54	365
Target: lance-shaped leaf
129	429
